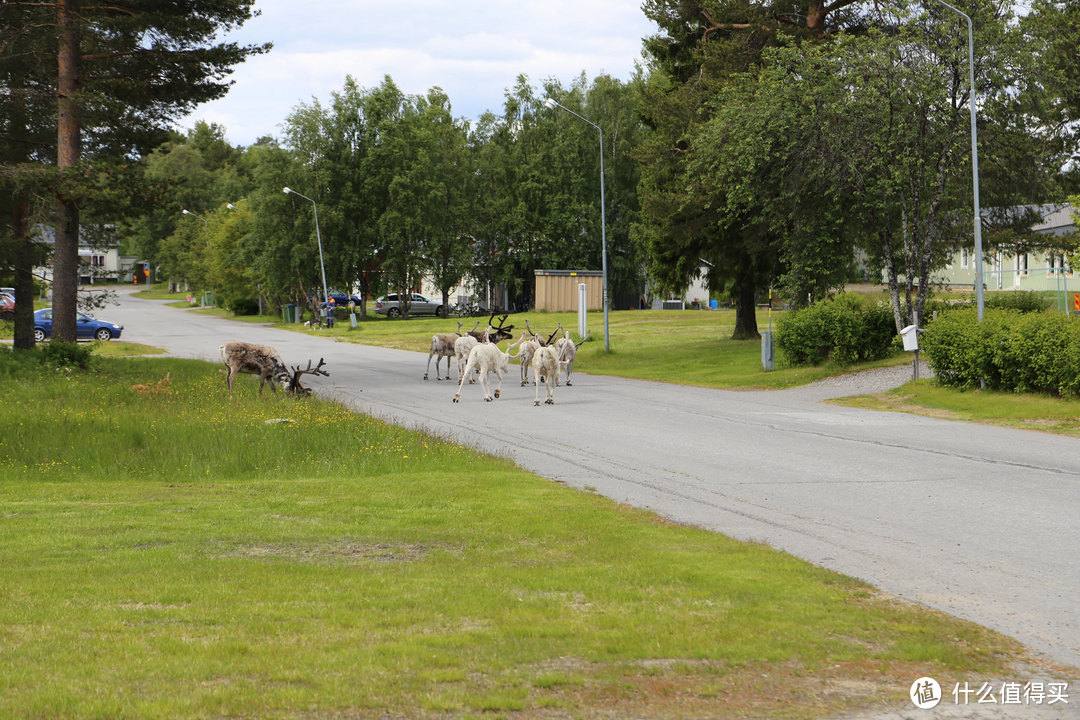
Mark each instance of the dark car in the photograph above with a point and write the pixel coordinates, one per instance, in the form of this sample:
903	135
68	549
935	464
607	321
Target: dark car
86	327
340	299
7	306
420	305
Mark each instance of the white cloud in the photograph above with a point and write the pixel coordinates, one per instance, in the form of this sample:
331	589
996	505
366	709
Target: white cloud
473	49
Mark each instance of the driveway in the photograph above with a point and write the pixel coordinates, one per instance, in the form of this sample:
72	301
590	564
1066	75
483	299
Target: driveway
980	522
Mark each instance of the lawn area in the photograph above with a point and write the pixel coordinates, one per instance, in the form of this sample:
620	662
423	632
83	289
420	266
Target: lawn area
1025	411
173	552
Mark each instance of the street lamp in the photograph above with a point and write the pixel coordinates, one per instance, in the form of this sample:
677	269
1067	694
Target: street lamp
188	212
974	164
318	237
551	103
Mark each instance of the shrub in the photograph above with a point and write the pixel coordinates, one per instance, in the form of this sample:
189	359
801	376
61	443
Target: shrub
1009	350
842	330
244	306
63	356
1018	300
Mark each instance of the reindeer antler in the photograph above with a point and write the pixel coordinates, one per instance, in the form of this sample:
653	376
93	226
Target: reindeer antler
552	335
317	370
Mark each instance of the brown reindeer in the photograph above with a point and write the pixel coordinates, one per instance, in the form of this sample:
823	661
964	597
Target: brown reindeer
261	360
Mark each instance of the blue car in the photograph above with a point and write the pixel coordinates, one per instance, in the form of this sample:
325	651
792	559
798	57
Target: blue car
86	327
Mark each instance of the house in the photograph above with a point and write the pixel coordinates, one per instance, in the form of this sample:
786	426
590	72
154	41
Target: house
1043	270
99	256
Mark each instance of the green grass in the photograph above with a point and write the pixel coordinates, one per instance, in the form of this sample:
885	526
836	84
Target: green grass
1025	411
170	552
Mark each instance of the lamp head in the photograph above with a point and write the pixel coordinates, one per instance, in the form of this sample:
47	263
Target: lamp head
185	211
287	191
551	103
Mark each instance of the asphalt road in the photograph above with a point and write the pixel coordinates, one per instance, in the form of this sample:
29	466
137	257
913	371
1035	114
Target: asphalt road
980	522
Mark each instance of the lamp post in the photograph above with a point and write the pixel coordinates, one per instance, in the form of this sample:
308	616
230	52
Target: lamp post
318	237
974	163
551	103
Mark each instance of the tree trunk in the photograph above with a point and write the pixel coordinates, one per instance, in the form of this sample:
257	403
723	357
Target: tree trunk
68	150
744	292
23	262
815	18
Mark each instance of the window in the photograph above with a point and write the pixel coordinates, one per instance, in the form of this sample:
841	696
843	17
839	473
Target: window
965	258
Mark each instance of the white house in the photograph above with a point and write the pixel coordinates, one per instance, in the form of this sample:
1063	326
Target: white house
99	261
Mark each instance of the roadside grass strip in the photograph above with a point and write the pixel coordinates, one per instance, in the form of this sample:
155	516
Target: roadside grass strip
174	552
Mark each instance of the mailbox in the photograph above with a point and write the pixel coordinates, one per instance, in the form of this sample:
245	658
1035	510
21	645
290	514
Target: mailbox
910	334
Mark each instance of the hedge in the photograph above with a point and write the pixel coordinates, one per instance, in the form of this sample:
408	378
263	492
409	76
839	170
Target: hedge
1009	350
842	330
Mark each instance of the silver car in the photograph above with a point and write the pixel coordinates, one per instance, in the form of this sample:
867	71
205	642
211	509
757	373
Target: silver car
389	306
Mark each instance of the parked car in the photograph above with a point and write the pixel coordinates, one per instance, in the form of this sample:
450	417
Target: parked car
7	306
420	305
86	327
340	299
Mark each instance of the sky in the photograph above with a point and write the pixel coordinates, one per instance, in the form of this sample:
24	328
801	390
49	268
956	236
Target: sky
473	49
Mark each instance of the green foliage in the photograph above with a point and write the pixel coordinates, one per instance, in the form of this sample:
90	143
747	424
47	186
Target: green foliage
65	356
244	306
1008	350
53	355
843	330
1019	301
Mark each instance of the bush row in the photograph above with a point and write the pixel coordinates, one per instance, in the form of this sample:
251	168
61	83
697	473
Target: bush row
842	330
1009	350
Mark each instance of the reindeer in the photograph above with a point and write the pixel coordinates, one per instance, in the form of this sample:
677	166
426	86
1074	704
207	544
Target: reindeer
442	346
545	366
462	347
495	334
294	382
566	349
487	358
529	347
262	360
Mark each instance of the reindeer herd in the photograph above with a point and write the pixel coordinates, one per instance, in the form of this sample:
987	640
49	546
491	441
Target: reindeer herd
476	353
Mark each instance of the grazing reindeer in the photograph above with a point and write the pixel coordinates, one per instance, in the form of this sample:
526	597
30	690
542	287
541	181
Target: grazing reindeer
487	358
567	352
262	360
442	346
294	382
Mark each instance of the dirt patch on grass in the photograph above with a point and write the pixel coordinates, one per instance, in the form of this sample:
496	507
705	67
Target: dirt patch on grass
334	552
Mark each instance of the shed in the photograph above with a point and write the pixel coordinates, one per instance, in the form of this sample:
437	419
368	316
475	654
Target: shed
557	290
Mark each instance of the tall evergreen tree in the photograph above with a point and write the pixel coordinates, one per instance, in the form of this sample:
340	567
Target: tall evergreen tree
121	74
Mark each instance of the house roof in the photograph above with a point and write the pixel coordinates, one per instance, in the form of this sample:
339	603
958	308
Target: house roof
1057	219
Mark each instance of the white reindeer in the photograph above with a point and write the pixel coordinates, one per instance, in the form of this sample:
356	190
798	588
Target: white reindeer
545	365
462	347
567	352
262	360
487	358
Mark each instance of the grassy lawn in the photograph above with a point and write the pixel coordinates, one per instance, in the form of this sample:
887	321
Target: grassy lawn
1025	411
172	552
